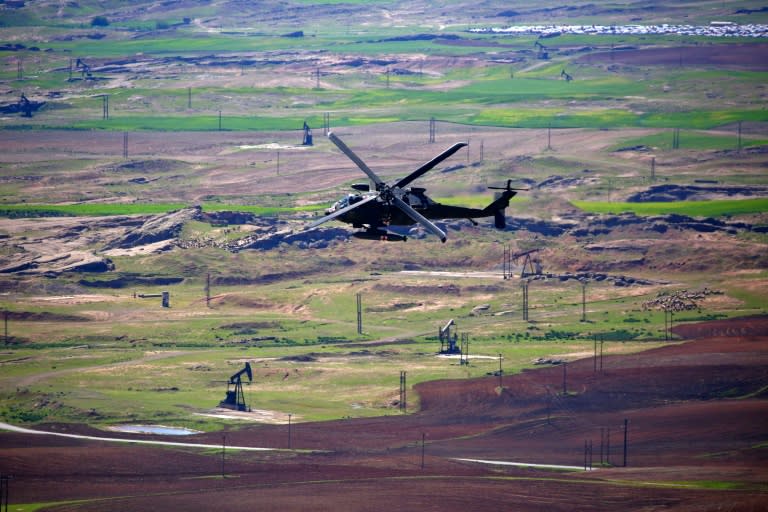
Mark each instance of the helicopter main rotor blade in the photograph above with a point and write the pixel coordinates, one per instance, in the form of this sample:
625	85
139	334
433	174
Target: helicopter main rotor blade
342	211
416	216
430	165
352	156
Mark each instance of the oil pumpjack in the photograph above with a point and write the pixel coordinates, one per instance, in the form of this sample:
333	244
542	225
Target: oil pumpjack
235	398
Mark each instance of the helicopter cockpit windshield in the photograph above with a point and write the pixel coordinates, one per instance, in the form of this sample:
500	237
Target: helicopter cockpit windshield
345	201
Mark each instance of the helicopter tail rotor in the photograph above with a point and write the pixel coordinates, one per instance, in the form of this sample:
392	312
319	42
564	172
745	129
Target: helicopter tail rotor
508	188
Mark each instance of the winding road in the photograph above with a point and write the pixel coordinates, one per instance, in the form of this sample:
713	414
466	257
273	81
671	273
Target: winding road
22	430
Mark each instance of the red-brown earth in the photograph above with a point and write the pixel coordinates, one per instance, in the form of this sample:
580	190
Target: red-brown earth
736	56
696	440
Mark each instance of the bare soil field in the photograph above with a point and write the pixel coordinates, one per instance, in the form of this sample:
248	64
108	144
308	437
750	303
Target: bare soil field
247	162
695	434
752	57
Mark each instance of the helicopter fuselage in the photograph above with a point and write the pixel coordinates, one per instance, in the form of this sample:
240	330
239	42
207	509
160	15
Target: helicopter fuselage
377	213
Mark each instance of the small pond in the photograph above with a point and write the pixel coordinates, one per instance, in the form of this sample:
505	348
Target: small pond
154	429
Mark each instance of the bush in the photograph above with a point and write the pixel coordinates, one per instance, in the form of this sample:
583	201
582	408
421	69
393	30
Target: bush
99	21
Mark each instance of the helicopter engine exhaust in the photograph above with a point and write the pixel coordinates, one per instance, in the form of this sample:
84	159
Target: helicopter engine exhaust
382	236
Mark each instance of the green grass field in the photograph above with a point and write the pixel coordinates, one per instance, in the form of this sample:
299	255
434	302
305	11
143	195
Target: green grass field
106	209
135	361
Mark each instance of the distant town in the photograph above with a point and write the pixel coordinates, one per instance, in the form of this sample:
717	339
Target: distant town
714	29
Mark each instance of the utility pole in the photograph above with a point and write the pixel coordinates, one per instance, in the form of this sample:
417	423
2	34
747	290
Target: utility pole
359	314
507	262
432	129
626	429
403	404
501	386
289	430
601	352
125	144
219	120
583	301
668	323
5	317
423	442
189	97
105	106
208	290
549	137
565	377
587	455
468	146
595	356
602	443
4	492
223	451
671	316
525	299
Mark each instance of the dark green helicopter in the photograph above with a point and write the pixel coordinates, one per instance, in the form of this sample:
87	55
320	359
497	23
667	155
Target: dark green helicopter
400	205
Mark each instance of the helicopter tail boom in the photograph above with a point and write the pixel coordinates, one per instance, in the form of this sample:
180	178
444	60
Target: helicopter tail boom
497	207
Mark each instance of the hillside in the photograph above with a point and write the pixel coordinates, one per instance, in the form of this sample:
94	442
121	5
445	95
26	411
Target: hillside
689	410
161	164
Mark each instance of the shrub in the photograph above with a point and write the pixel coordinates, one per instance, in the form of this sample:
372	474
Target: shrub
99	21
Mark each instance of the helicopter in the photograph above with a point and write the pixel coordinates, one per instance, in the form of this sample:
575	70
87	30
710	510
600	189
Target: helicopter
397	204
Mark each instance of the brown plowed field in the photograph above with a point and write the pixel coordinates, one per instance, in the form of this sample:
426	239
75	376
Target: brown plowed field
736	56
697	417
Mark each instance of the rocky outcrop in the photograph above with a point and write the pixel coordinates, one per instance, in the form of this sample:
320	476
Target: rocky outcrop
312	239
52	265
539	226
156	229
127	280
561	182
672	192
226	218
604	224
